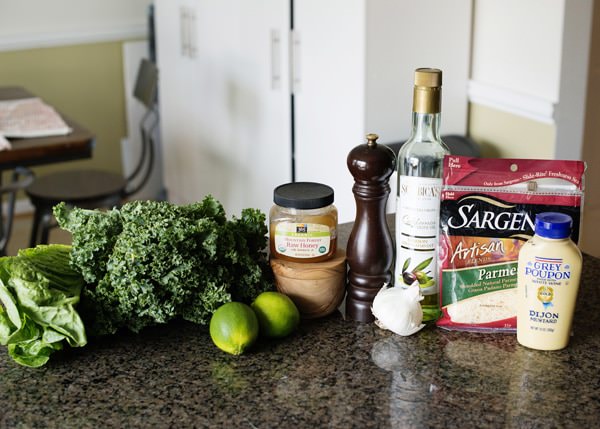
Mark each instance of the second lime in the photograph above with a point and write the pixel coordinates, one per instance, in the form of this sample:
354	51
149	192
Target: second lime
277	314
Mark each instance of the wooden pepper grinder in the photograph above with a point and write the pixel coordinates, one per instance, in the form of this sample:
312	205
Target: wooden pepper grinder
370	250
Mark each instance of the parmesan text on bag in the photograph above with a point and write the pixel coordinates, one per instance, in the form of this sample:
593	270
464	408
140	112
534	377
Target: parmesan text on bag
487	212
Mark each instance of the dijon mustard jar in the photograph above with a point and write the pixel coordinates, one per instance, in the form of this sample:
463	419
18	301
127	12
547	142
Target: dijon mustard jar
303	222
549	270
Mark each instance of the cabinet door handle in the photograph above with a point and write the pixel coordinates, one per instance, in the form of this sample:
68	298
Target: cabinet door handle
275	59
192	34
295	61
188	34
184	31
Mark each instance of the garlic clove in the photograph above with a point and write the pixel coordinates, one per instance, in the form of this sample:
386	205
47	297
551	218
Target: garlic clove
398	309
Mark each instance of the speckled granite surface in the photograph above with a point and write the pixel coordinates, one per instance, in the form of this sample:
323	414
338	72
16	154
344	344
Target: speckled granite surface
331	373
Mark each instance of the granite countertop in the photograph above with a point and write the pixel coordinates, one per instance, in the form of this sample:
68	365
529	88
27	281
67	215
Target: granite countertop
331	373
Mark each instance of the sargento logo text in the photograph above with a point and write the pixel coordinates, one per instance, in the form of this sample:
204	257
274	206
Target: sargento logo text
470	217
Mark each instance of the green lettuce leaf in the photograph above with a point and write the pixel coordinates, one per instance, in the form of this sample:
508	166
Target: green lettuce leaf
38	293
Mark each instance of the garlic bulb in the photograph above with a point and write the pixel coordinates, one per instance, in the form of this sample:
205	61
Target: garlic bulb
399	309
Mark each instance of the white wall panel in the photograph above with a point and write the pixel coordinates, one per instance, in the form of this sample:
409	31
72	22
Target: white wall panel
402	36
517	45
26	24
530	58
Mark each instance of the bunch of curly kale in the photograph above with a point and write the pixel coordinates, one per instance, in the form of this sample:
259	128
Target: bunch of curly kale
149	262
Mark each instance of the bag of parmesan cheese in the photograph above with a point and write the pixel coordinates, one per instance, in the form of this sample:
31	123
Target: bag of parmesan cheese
487	213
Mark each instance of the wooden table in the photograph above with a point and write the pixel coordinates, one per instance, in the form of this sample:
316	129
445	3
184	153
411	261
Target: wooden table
44	150
29	152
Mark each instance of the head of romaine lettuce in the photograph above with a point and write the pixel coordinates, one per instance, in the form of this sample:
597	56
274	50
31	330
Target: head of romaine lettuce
39	291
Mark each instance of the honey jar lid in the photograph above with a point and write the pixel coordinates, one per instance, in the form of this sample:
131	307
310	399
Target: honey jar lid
303	195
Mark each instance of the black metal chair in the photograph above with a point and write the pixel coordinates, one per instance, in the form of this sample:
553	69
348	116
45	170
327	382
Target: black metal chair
21	178
94	188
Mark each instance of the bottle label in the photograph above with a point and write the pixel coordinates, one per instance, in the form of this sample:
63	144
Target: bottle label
543	278
302	240
417	224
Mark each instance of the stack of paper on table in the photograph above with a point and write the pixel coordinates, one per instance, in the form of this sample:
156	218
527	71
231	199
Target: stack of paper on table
30	117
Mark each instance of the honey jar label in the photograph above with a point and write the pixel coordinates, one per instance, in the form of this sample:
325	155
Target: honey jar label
302	240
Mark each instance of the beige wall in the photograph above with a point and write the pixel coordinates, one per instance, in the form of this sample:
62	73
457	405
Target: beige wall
591	143
540	75
534	68
85	82
505	135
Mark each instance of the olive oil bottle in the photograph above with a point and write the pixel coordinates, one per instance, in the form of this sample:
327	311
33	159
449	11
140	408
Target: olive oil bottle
419	166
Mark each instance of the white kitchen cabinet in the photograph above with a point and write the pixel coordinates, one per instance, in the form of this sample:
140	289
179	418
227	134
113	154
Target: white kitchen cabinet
230	125
225	125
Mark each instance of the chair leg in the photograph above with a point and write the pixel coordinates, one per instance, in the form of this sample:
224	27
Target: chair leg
46	225
38	219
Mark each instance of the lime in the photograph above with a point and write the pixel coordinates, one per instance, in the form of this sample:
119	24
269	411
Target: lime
233	327
277	314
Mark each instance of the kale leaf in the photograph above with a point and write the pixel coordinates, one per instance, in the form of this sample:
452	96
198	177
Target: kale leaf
151	261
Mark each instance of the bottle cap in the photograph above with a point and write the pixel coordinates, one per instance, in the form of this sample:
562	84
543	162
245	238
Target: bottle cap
428	77
303	195
427	91
553	225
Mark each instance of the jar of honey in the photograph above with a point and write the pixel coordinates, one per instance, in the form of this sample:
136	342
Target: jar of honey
303	222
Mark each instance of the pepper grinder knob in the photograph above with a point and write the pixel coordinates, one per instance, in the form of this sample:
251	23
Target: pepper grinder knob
370	249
